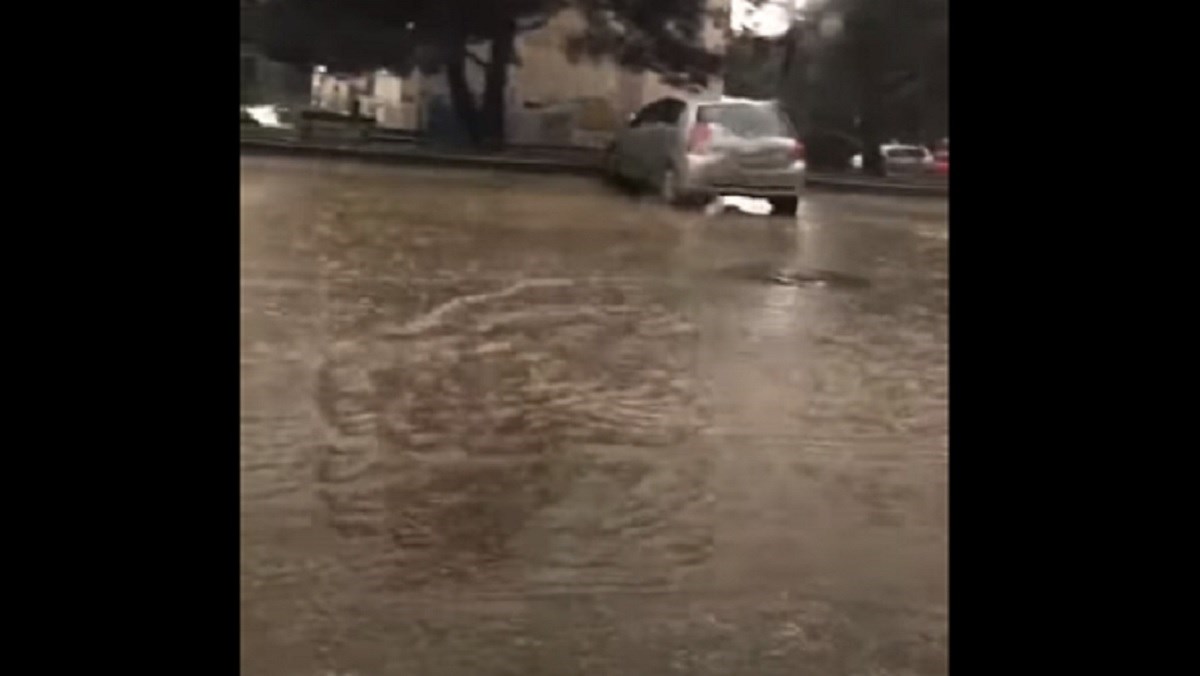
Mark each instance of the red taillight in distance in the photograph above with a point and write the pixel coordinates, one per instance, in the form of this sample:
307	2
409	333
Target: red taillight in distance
699	139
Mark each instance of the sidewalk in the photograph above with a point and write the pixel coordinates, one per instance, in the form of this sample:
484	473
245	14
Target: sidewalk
533	159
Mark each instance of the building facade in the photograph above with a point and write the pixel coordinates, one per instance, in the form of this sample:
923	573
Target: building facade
549	98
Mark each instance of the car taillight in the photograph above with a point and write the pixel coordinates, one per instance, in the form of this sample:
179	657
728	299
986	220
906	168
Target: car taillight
699	138
798	150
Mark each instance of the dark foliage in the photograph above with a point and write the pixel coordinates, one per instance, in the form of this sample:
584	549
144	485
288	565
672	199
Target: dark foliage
446	35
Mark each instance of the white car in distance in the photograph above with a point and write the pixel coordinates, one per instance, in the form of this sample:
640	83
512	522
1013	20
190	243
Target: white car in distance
899	158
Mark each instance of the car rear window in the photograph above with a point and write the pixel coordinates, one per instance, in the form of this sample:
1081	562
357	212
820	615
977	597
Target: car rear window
745	120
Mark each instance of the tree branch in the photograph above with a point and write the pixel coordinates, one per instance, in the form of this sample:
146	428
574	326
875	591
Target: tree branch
475	58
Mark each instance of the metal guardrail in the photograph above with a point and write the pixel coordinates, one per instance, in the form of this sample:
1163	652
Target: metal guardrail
917	187
385	145
331	133
388	152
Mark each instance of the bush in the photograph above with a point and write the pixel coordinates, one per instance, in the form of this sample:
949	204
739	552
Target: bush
830	150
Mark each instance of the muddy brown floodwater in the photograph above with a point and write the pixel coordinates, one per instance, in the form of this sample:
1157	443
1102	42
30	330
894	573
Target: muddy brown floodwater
498	424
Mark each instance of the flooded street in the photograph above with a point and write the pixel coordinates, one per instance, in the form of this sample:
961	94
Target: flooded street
526	425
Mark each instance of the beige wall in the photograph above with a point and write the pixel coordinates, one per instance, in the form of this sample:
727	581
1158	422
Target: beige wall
336	94
394	101
547	76
546	79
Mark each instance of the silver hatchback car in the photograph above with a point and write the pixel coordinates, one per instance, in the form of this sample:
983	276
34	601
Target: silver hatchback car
693	151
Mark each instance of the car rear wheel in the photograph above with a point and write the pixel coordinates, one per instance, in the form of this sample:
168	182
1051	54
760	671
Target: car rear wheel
609	167
785	206
668	186
671	190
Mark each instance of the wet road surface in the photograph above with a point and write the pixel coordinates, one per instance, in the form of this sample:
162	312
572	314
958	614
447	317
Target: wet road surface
498	424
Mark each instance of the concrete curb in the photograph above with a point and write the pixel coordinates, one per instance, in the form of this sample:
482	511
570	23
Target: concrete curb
533	164
419	157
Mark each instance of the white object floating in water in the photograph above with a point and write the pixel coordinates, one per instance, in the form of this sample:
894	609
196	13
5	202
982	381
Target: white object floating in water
749	205
267	116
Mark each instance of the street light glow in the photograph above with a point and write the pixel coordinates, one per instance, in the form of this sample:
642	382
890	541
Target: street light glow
771	19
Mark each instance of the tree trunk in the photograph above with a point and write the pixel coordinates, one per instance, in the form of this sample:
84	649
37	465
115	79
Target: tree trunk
794	77
496	85
460	92
866	39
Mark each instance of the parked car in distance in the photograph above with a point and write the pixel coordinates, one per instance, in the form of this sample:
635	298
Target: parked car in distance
900	158
829	150
694	151
941	159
